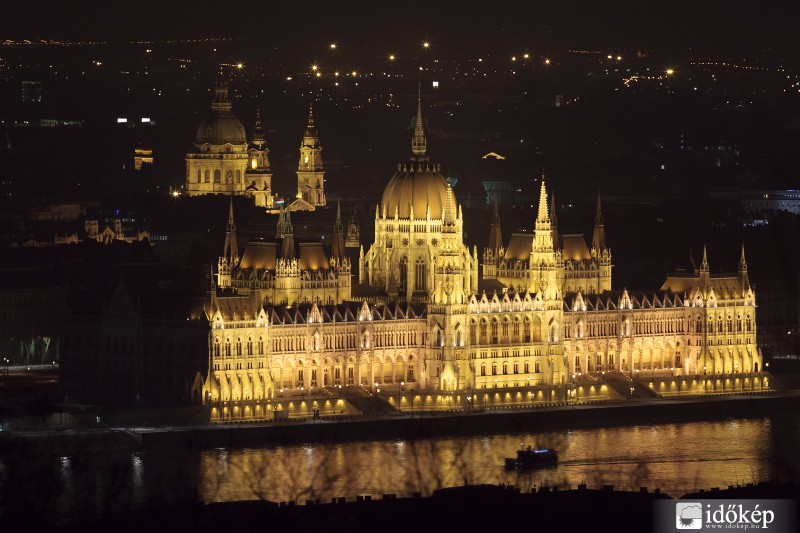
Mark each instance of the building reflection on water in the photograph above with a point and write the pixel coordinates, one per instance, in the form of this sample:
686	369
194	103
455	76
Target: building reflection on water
677	458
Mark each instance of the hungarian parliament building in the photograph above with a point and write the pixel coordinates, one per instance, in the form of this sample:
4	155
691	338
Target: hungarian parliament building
287	316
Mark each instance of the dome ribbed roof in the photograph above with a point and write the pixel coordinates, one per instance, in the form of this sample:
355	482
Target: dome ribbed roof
221	126
417	183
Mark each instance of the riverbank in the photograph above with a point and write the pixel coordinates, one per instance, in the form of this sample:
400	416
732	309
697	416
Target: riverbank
407	426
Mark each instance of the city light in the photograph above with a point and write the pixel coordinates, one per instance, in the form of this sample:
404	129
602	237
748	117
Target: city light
526	56
333	46
546	61
239	66
314	68
670	72
426	44
392	57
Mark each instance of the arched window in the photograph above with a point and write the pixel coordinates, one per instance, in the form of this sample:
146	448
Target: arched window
494	369
207	176
419	275
719	324
730	324
217	176
261	346
505	329
199	177
698	327
505	368
526	367
748	324
483	370
403	281
238	176
484	333
216	347
238	347
227	347
738	323
536	368
710	325
249	345
516	367
495	339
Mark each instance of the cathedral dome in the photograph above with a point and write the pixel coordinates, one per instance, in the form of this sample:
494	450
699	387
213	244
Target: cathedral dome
221	126
221	129
416	183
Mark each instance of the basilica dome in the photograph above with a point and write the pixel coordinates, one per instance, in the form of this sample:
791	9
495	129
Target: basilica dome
221	126
416	183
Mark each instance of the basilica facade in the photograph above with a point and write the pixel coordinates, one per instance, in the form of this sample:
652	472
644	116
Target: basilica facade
286	317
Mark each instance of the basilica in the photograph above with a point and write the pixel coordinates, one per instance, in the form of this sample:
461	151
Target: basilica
291	317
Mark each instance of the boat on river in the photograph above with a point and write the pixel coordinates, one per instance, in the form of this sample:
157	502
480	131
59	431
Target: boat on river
532	458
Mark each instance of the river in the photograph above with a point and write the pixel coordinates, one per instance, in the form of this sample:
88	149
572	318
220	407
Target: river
677	458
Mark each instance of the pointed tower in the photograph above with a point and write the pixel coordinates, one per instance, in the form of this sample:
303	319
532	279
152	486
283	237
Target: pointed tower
705	271
287	244
258	176
337	249
545	270
418	143
744	281
310	172
230	253
599	234
495	232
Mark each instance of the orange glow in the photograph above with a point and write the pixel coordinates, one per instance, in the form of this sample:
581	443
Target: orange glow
391	57
314	68
546	61
333	46
426	44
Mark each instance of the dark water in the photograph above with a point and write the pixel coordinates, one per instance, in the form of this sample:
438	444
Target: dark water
677	458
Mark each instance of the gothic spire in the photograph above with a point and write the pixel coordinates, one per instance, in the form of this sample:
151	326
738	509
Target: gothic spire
554	222
231	248
311	129
543	215
337	248
418	143
742	261
704	263
287	244
599	234
449	218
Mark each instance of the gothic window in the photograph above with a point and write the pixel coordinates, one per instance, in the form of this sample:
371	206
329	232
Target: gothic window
494	331
473	329
505	368
710	325
730	324
261	346
403	281
505	329
238	176
748	324
494	369
516	330
526	367
216	347
300	376
739	323
227	347
238	347
698	327
483	370
207	176
484	334
526	331
217	176
719	324
537	368
516	367
199	177
249	346
459	342
419	279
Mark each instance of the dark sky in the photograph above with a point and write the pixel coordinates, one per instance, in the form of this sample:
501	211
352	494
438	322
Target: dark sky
722	25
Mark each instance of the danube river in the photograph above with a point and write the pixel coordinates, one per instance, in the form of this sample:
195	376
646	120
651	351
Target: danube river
677	458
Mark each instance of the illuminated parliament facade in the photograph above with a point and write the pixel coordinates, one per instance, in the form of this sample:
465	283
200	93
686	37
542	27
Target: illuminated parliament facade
286	317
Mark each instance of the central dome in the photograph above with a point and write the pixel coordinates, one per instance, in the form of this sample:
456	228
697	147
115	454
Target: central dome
221	128
416	183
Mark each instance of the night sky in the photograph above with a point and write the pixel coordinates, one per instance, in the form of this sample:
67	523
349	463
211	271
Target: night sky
708	25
